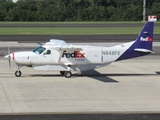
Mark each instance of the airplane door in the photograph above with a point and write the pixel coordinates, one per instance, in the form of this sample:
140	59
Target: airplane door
46	57
43	58
94	55
55	56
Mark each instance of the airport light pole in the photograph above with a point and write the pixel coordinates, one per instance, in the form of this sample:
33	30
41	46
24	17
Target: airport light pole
144	10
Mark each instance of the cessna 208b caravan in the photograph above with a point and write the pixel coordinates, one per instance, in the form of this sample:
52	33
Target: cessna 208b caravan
66	58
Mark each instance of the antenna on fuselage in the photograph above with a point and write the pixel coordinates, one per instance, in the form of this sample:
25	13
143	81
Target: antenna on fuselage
111	44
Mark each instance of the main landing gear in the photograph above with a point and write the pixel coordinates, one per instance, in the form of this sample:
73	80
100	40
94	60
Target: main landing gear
67	74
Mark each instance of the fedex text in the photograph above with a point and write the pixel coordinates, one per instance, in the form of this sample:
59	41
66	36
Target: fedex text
75	54
146	39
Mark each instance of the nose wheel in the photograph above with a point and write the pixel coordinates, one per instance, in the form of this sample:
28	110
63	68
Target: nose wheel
18	73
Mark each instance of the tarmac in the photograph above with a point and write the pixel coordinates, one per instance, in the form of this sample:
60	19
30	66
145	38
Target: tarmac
130	86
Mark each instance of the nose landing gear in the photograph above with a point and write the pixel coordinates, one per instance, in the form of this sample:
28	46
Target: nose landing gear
18	73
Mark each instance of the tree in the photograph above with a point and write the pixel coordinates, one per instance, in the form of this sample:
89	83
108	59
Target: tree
76	10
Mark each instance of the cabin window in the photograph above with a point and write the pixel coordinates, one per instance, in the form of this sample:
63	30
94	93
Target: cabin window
39	50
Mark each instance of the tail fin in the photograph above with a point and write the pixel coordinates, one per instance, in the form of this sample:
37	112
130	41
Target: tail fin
144	41
143	44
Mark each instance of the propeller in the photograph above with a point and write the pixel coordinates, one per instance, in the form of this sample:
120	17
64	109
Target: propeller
9	52
8	57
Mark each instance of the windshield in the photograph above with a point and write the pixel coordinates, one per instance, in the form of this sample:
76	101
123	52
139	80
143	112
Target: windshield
39	50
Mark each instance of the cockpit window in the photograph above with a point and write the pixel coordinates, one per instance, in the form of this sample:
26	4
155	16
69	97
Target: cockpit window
39	50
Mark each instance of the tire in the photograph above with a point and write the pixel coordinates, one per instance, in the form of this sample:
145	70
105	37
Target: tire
67	74
62	72
18	73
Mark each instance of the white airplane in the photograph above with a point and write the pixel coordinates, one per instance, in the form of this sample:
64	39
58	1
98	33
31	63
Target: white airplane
66	58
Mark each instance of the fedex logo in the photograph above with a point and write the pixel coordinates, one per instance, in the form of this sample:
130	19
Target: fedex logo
146	39
75	54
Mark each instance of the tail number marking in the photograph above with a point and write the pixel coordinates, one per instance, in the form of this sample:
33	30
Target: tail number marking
111	52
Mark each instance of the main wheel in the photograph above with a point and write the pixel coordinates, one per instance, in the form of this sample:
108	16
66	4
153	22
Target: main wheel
18	73
67	74
62	72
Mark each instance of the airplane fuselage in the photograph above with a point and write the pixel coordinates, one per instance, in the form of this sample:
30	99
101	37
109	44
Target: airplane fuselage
88	55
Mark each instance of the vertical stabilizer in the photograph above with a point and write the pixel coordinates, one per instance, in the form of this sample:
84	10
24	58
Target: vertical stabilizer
145	38
142	45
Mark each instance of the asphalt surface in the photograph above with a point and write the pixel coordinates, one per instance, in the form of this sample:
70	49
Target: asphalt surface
76	25
149	116
72	38
133	90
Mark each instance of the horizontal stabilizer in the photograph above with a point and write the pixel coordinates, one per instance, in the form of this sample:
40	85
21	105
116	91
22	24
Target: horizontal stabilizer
143	50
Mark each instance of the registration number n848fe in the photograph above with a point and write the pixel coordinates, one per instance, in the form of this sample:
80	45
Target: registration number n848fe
111	53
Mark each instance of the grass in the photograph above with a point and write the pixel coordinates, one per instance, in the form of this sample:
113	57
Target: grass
72	31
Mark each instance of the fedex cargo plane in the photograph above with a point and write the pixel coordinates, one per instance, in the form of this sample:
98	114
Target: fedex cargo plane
66	58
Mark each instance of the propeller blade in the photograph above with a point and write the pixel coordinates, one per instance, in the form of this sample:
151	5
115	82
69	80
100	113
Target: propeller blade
9	63
9	51
8	57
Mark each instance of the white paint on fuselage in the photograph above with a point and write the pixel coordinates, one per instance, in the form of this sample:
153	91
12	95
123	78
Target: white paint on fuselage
89	57
22	57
